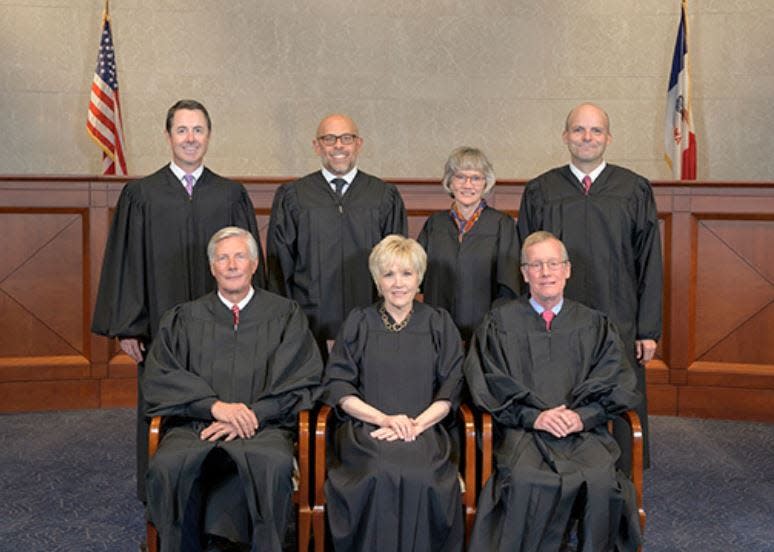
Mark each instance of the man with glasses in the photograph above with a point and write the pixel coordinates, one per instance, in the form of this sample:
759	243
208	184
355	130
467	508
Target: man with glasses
552	372
606	216
323	227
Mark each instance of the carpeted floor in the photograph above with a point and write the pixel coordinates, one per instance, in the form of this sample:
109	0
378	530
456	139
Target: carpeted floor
67	484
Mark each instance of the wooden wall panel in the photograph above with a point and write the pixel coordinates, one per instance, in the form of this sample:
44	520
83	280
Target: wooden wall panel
57	394
715	359
726	402
734	290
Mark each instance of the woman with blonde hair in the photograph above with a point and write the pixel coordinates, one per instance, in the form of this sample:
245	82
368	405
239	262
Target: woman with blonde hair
394	376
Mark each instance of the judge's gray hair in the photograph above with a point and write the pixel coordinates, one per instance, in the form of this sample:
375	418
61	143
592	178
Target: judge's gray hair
468	159
395	248
539	237
232	232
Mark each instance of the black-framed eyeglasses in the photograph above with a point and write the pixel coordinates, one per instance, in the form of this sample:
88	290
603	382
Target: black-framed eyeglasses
331	139
553	265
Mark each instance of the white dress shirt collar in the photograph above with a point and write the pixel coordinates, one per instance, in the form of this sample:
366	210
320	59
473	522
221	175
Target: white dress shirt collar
349	177
180	173
539	308
242	304
579	174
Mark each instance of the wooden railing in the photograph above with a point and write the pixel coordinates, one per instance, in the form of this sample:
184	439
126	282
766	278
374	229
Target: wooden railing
716	358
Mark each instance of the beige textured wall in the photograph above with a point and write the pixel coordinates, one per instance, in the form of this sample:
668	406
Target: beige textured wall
420	77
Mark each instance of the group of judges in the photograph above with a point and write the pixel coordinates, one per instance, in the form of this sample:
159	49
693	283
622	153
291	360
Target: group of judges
546	324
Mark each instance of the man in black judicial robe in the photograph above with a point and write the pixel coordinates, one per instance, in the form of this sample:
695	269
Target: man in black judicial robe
155	253
231	385
611	232
552	372
323	227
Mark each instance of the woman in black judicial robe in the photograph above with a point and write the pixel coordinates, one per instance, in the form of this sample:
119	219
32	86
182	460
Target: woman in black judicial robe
394	375
471	248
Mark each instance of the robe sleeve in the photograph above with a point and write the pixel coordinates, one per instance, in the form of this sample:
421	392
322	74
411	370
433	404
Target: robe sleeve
342	373
169	388
529	221
393	213
294	371
121	309
508	273
422	238
647	251
243	216
491	386
609	387
530	212
281	243
448	369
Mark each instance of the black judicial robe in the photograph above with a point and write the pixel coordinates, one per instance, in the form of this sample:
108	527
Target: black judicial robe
467	278
516	369
394	496
156	258
270	363
612	237
318	245
156	253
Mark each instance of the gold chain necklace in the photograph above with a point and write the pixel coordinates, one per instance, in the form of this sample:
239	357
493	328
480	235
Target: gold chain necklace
394	326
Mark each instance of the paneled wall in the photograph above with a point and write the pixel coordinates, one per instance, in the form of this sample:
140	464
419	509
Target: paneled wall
716	358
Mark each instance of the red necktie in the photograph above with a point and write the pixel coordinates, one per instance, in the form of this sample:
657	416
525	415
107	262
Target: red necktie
235	310
548	316
586	184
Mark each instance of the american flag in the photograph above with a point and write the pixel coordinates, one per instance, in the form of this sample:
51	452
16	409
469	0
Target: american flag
103	122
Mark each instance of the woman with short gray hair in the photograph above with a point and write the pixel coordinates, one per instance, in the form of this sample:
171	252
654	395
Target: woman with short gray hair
471	248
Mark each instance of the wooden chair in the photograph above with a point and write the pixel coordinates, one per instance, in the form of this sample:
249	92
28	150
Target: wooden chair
631	418
467	483
300	481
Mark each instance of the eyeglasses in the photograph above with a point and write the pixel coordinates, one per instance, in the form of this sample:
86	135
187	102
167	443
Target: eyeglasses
475	179
553	265
331	139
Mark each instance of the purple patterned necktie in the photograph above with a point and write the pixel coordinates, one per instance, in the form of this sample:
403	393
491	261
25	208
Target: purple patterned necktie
189	183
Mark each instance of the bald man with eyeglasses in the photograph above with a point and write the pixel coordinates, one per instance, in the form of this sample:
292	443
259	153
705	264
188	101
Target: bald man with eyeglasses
324	225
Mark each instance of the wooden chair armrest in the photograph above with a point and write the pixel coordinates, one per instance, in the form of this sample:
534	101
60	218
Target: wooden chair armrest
154	435
486	447
469	424
319	455
304	438
631	418
471	490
